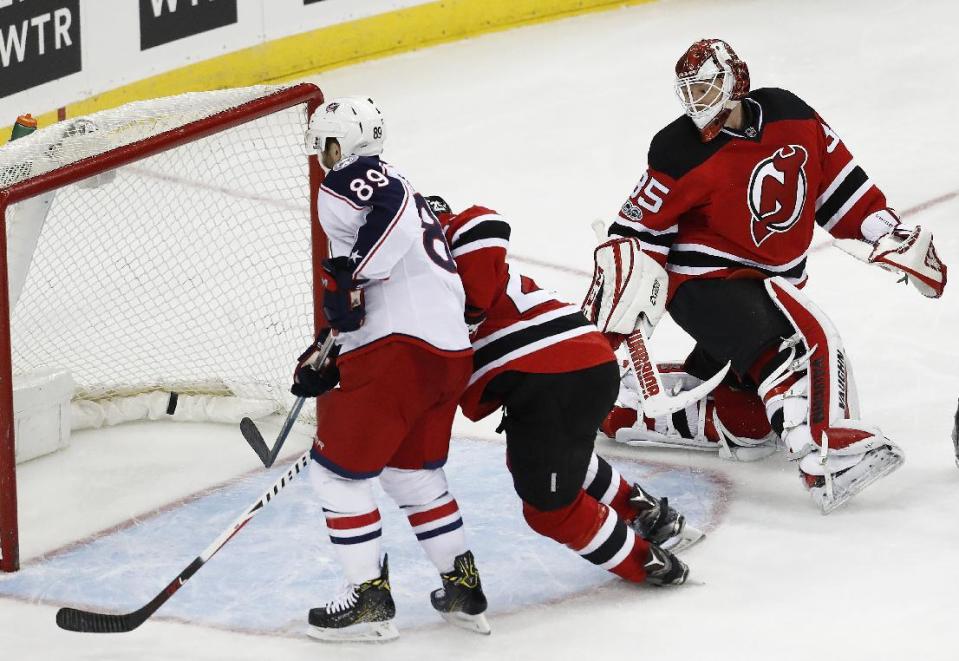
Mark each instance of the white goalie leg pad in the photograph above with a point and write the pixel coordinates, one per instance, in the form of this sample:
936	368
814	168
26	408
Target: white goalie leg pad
682	429
628	286
688	429
817	350
814	391
739	448
424	497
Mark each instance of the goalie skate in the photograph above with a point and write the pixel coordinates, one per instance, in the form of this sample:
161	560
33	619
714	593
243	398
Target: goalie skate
833	490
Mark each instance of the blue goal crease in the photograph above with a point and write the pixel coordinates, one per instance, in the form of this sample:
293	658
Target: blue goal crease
281	565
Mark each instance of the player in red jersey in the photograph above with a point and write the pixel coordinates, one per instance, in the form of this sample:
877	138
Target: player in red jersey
556	377
726	211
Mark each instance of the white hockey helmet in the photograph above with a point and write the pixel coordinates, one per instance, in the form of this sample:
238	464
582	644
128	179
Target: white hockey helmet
711	81
355	122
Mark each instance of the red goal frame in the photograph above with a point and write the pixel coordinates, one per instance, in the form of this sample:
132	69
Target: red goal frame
303	93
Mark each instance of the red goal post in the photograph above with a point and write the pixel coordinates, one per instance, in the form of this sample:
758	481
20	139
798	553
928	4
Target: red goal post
164	246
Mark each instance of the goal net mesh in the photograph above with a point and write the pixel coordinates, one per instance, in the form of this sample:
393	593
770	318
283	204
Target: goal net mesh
187	271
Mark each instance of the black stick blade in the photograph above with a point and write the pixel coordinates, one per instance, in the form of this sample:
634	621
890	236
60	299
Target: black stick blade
255	439
72	619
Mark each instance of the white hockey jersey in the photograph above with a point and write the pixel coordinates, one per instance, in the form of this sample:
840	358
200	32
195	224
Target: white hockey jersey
371	214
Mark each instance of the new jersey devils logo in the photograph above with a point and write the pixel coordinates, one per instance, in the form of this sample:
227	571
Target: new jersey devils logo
777	192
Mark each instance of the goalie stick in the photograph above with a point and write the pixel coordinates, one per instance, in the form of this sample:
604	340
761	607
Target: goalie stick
252	434
656	400
74	619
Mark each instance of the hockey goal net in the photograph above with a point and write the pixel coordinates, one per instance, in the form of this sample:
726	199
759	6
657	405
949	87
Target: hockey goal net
164	248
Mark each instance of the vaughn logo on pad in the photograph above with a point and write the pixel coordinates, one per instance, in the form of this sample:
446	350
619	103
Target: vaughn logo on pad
163	21
39	42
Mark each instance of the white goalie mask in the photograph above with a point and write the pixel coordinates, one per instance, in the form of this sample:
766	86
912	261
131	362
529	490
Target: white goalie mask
711	80
355	122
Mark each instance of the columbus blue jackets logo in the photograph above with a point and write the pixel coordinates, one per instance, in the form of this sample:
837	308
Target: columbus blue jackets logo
777	192
346	162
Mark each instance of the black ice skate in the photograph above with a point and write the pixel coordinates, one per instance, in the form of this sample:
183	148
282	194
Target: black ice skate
362	612
664	568
659	523
461	600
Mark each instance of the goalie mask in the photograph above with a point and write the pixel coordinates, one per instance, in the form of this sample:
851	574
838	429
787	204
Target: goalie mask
711	81
355	122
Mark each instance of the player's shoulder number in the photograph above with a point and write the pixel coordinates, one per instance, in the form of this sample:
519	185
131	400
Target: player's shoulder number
649	193
360	178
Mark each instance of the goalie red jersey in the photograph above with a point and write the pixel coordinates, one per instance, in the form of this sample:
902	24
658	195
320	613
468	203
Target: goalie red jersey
750	199
515	324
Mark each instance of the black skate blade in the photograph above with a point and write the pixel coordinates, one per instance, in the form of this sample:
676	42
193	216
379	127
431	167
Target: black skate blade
475	623
255	439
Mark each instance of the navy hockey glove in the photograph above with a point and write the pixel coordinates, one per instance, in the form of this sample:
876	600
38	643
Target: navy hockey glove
310	379
343	304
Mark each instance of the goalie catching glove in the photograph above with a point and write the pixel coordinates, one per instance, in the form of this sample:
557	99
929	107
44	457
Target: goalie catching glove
910	251
901	249
628	289
311	379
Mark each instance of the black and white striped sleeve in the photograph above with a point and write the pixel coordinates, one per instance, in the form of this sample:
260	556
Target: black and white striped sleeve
485	231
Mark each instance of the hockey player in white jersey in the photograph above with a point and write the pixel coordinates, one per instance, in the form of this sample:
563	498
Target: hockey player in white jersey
403	359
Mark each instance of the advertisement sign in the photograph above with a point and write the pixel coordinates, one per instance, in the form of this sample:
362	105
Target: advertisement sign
39	42
163	21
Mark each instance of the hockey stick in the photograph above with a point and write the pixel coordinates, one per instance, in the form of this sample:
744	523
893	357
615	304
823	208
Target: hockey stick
73	619
656	400
253	436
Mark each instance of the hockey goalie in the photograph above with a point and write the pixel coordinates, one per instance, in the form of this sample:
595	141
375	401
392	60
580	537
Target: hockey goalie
723	219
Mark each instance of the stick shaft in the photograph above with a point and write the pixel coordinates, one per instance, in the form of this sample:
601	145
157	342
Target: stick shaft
320	358
285	430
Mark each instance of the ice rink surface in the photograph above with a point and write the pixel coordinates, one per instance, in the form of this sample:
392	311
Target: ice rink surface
549	125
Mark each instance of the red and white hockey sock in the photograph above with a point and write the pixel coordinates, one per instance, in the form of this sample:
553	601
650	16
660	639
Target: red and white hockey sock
605	484
353	522
595	532
431	510
356	540
439	528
